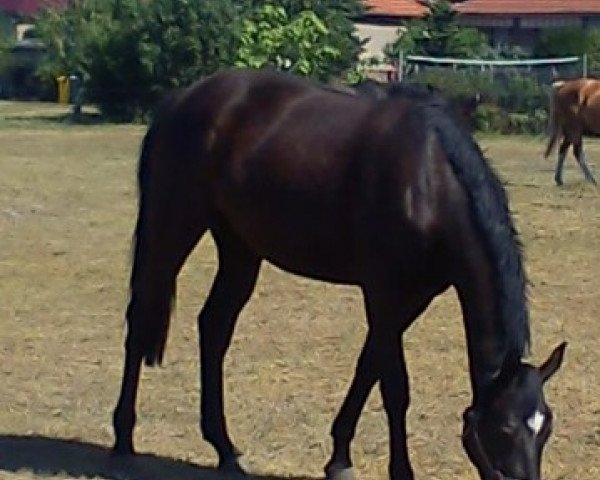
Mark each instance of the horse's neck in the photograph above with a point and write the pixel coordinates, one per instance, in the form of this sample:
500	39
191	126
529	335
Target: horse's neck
486	343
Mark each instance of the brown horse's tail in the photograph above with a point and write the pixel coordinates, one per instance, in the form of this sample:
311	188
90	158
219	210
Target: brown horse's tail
554	123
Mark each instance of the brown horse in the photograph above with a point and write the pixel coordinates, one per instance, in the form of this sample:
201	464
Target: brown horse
574	111
392	195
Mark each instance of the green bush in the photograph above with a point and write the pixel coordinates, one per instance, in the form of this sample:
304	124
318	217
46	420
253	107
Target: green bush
490	118
130	53
561	42
528	123
511	102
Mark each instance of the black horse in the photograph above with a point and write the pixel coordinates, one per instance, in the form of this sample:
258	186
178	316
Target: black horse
463	106
391	195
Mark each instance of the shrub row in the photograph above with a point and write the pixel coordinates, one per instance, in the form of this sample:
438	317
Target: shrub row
509	102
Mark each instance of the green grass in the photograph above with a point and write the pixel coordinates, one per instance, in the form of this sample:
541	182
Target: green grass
23	115
68	205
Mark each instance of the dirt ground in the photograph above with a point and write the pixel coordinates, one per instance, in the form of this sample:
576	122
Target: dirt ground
67	207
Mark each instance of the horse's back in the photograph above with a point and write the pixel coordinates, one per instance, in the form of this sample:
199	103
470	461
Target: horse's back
318	181
578	104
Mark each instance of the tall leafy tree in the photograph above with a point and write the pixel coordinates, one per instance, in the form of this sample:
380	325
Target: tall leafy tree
298	44
439	35
563	42
337	16
130	52
157	47
5	44
68	35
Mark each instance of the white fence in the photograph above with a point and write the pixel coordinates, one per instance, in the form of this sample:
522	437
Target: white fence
548	68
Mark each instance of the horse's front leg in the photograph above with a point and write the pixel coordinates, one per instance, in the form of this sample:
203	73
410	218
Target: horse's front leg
395	393
562	154
382	358
580	156
339	466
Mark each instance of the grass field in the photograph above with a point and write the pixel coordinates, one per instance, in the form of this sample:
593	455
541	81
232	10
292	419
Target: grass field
67	207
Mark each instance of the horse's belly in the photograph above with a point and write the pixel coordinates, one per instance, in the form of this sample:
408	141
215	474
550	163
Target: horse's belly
331	260
312	241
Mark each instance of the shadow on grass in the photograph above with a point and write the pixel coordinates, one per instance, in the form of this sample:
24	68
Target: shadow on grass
52	456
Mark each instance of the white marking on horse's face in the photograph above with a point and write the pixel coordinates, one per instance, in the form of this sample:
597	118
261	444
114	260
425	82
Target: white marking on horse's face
536	422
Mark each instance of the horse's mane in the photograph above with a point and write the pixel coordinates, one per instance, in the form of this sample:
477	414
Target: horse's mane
491	215
487	199
488	202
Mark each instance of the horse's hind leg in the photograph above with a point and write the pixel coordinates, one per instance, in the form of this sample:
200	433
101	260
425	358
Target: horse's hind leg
232	287
562	154
580	156
163	242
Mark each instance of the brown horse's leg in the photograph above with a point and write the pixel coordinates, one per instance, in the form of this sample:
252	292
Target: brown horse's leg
232	287
382	358
562	154
580	156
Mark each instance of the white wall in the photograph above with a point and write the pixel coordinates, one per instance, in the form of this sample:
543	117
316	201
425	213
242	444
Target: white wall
378	36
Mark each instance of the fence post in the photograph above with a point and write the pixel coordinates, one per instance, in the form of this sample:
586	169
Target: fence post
401	66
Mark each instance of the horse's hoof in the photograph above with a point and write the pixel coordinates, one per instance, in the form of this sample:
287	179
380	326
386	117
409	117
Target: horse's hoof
558	181
340	473
122	449
232	467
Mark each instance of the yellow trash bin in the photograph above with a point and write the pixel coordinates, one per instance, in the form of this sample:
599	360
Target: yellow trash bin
63	89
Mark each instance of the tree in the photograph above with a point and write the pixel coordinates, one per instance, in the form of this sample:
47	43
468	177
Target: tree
439	35
158	47
130	52
562	42
298	44
338	16
5	46
314	38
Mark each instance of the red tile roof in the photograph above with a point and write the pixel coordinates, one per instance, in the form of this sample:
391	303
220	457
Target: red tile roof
396	8
524	7
29	7
414	8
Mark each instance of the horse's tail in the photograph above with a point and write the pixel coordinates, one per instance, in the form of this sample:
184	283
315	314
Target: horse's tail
554	124
153	279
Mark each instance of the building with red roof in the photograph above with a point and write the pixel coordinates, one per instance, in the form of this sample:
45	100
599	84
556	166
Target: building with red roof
402	9
506	22
519	22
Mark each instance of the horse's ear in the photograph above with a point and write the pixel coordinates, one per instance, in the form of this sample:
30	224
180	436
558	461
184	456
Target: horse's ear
553	363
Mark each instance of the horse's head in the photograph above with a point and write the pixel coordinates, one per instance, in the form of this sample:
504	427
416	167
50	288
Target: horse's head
505	434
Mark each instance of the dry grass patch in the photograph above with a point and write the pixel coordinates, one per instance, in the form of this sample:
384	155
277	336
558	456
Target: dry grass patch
67	207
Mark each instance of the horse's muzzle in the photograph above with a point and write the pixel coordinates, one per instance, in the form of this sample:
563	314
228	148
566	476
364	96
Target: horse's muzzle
476	453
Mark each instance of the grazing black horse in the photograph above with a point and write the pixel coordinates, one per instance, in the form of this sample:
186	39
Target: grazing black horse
392	196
